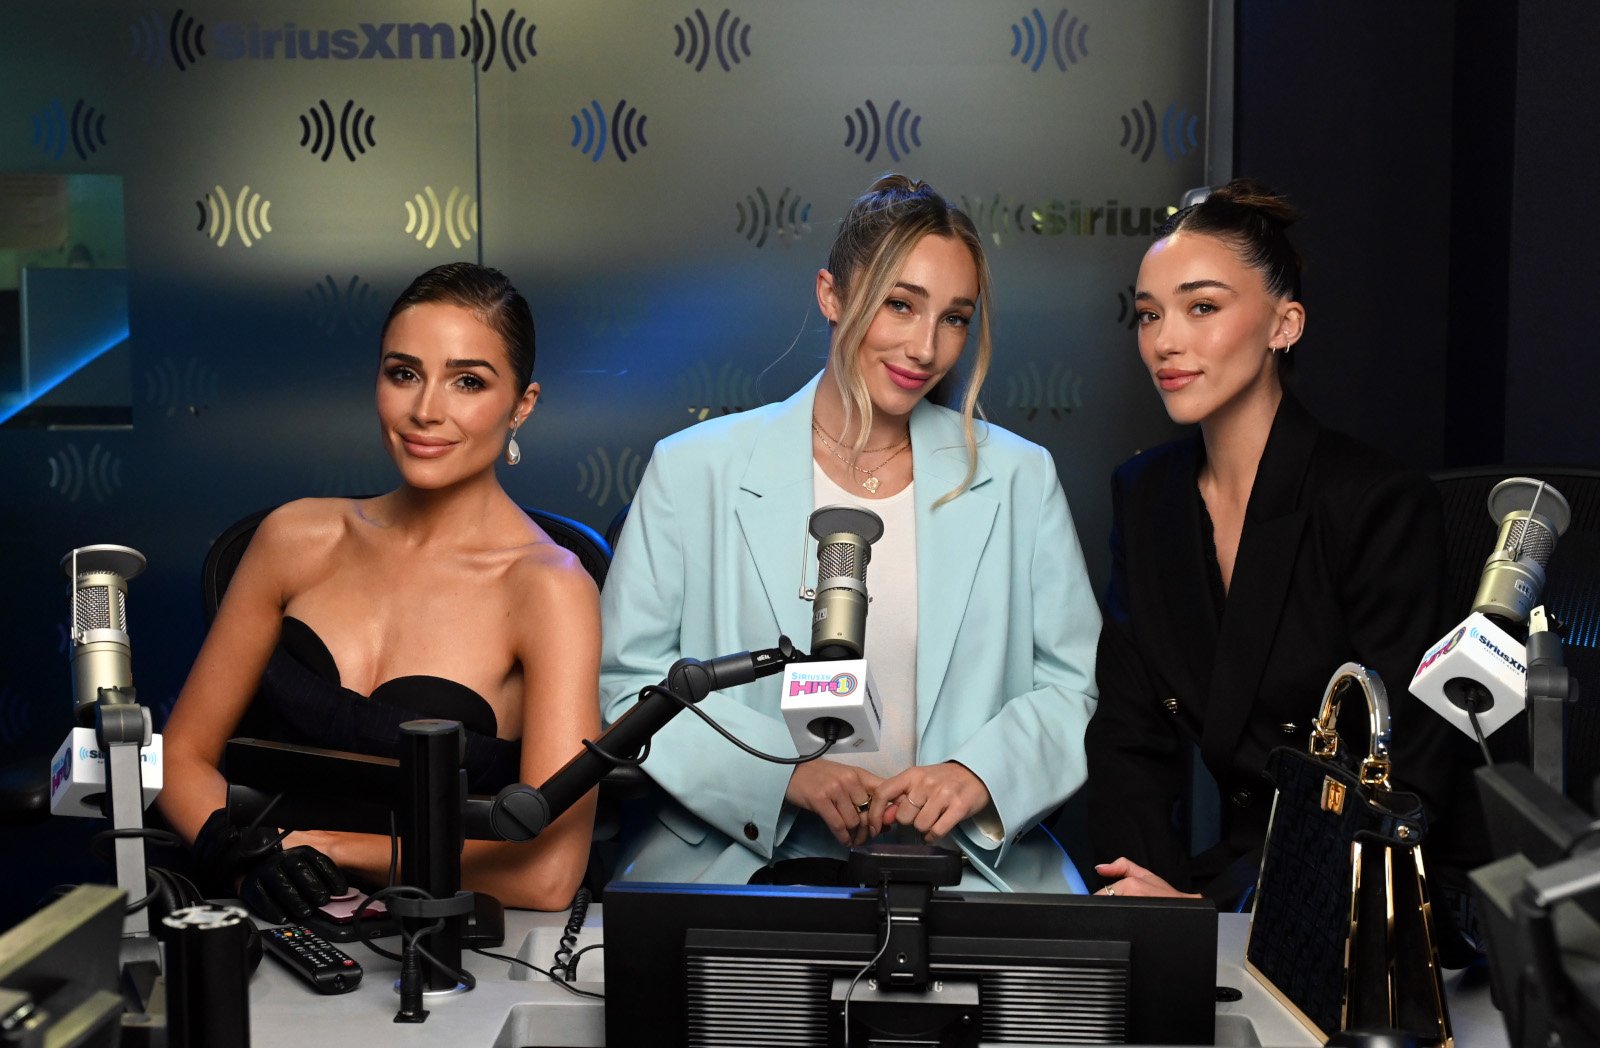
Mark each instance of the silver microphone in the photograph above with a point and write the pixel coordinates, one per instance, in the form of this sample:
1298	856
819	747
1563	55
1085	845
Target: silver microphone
844	535
1531	516
101	651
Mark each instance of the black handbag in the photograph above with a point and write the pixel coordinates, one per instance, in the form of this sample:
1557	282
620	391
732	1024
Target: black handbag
1342	932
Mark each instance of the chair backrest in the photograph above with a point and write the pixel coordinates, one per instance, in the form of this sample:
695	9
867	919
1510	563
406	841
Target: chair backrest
222	559
1572	588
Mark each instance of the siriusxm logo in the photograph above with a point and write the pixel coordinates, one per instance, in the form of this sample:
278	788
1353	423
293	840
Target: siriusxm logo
232	41
1495	649
481	41
840	684
1000	217
88	753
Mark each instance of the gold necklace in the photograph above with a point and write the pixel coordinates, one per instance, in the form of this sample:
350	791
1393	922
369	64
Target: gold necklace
865	451
872	482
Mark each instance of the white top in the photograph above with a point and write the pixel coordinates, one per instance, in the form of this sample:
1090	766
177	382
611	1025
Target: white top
891	641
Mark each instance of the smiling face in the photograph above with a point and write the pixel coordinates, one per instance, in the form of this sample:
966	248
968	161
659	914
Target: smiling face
446	395
920	327
1208	326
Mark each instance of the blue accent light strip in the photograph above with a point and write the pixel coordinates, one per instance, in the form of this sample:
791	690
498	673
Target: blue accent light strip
117	339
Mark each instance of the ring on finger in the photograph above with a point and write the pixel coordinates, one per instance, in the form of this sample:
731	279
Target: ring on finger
862	806
1110	890
913	803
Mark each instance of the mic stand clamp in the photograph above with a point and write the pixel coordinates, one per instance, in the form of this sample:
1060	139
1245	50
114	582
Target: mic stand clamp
1552	692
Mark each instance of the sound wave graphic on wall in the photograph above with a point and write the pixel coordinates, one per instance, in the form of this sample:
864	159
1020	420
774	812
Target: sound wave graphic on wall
352	131
697	40
1058	392
1127	308
512	41
146	37
591	130
1065	42
351	306
191	387
1177	130
758	217
74	474
599	477
53	129
457	217
244	216
17	716
898	131
731	391
185	40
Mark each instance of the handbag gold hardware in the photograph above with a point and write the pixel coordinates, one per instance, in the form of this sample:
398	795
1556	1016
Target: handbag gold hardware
1332	795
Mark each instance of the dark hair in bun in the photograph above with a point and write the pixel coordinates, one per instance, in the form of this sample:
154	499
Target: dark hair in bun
1254	220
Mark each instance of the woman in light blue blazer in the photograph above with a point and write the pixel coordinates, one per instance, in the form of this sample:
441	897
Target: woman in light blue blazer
982	628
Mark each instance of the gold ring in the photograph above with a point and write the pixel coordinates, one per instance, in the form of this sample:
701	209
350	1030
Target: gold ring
913	803
861	808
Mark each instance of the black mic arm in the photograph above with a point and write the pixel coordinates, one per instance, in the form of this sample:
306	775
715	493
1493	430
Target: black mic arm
521	812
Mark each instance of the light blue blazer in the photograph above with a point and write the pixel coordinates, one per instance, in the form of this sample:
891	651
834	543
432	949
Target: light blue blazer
710	563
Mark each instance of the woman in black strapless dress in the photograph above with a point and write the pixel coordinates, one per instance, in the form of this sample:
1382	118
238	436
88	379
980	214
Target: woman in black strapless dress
439	599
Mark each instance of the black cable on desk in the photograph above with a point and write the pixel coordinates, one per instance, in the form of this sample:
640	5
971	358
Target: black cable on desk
569	935
542	971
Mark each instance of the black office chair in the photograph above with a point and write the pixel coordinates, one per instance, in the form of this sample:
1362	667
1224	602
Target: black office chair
227	549
1572	590
614	529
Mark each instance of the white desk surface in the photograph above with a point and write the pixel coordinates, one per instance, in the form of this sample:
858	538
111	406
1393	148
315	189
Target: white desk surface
513	1007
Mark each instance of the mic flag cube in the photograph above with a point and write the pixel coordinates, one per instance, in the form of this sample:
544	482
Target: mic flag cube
839	690
78	774
1477	662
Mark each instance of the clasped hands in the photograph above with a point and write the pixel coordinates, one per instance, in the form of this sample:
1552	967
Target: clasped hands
857	805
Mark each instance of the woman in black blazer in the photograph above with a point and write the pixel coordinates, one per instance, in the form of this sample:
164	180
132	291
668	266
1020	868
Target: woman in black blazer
1249	560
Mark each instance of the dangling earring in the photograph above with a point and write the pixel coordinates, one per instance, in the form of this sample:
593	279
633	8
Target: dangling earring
513	453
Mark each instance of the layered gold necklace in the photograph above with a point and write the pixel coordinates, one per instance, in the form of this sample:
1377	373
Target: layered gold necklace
870	480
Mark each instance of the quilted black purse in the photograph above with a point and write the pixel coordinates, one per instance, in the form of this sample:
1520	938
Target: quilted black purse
1342	932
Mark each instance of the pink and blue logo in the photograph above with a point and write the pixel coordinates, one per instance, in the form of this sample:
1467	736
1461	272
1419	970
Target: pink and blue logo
839	684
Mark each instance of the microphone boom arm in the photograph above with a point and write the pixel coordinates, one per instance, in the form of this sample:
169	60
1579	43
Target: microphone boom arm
521	812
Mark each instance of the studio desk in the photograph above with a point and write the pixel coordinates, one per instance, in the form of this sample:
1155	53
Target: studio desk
513	1007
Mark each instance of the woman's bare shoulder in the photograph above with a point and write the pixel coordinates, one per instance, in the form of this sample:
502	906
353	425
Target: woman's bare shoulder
544	571
301	536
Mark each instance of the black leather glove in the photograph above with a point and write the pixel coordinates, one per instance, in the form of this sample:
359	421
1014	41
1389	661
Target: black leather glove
277	885
290	884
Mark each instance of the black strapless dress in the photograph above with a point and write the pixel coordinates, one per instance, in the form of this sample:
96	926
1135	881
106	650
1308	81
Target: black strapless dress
301	702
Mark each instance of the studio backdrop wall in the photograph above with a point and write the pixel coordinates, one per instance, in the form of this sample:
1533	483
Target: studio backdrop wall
255	183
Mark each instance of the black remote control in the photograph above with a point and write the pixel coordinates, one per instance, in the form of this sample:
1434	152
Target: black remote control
316	960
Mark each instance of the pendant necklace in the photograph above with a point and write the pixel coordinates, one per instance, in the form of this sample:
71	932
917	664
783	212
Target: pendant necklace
871	482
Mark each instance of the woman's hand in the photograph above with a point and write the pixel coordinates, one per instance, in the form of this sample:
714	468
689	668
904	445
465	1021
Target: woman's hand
932	798
843	795
1128	878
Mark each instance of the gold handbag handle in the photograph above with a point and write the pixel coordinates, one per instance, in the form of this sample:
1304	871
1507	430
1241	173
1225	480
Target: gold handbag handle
1325	733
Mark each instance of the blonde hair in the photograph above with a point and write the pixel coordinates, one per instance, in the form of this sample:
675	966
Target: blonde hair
875	237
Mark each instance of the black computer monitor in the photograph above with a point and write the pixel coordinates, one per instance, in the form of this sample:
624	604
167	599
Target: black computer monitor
1539	909
59	971
714	964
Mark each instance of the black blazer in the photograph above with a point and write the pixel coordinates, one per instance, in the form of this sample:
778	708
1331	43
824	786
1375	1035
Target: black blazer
1340	559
